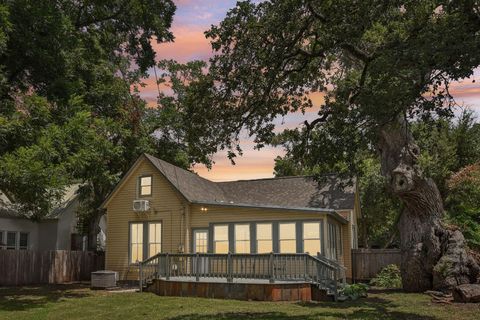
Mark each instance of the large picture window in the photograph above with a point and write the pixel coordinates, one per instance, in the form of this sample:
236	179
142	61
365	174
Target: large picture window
146	186
264	238
136	242
220	239
145	240
311	238
242	238
287	238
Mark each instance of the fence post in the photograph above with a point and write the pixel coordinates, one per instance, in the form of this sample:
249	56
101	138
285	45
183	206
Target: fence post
271	268
197	267
167	267
140	276
229	268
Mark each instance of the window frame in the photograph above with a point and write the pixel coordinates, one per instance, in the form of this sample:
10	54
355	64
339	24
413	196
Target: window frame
156	242
249	240
145	238
193	243
320	226
15	245
215	241
257	240
140	195
20	247
3	245
295	238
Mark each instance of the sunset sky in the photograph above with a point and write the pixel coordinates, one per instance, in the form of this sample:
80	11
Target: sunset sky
192	18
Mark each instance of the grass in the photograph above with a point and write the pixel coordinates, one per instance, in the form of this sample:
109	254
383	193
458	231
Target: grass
79	302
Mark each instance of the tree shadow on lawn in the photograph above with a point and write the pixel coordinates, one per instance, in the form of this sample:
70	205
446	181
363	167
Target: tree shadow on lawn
366	308
369	308
24	298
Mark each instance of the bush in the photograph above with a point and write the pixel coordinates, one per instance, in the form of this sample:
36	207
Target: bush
388	277
354	291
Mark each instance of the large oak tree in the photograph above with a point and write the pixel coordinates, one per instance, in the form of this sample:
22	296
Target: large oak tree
380	64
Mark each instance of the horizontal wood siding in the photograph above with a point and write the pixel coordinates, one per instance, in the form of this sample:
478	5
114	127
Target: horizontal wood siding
22	267
166	205
216	214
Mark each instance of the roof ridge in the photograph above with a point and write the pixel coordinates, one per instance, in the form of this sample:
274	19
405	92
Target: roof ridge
177	167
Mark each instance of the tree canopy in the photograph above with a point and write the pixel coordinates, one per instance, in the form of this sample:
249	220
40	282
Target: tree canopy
70	110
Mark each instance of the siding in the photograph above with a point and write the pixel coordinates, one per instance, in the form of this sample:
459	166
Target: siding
166	205
179	218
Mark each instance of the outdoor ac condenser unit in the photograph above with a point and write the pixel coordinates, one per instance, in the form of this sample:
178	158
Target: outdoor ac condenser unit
141	205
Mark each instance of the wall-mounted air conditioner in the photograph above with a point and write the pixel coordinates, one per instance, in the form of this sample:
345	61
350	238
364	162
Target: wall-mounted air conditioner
141	205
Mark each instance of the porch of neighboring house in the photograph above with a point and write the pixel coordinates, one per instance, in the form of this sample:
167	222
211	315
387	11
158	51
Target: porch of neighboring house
263	277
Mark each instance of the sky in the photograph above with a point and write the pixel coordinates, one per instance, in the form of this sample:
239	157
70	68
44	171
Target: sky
191	19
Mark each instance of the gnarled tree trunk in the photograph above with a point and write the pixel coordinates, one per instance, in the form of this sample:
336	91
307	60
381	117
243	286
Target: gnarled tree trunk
433	256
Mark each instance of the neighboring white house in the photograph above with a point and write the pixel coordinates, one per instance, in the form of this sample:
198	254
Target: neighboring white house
57	231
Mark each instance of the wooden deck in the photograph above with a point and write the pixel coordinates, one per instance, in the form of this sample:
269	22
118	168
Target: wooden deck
238	289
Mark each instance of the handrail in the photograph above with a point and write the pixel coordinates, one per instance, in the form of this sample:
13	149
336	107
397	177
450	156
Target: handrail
317	270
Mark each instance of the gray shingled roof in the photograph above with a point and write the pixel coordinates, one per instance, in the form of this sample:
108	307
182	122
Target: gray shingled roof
285	192
7	208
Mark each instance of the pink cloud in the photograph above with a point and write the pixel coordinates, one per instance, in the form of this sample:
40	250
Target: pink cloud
189	44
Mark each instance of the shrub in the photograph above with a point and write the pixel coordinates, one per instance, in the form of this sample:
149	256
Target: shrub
354	291
388	277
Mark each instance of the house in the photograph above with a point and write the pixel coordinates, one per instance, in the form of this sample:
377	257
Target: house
56	231
181	212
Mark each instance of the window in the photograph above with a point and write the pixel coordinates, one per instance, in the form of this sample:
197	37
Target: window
23	241
287	238
311	238
146	186
154	238
2	241
242	238
11	240
334	241
220	239
264	238
136	242
200	241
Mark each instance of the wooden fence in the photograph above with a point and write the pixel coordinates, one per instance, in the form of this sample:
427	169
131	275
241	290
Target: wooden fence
23	267
366	263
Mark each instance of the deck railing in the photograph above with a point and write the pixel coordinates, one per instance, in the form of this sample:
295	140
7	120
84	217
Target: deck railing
324	273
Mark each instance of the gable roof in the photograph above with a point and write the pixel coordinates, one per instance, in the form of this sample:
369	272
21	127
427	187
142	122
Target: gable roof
293	193
7	207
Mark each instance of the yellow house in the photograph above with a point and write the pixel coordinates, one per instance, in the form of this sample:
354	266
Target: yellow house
158	207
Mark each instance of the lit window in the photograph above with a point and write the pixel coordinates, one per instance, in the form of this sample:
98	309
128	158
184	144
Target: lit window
287	238
23	241
201	241
264	238
220	239
311	238
154	238
146	186
136	242
242	238
11	240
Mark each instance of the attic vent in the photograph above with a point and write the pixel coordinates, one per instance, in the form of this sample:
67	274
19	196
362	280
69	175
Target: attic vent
141	205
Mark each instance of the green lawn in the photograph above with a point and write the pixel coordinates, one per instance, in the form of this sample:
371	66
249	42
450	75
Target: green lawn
78	302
